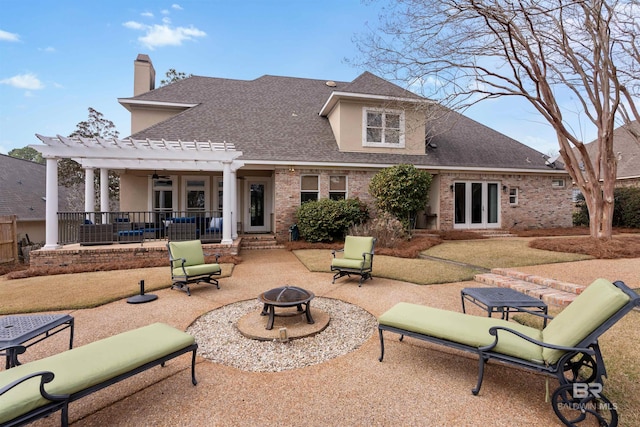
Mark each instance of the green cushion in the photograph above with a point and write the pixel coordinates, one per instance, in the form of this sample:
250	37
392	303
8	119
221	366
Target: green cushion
91	364
355	246
347	263
198	270
190	250
472	331
590	309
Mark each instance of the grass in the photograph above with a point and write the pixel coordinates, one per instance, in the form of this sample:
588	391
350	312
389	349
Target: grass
418	271
81	290
492	253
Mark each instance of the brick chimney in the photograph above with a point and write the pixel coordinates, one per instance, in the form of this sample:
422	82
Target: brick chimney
144	75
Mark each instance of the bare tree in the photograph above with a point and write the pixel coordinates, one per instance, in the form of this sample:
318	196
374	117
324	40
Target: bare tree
473	50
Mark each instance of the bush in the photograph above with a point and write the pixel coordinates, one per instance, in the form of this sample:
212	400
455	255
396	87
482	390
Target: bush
401	190
626	209
387	229
326	220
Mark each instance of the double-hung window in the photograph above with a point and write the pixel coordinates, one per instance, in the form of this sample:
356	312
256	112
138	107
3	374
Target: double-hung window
382	128
338	187
309	188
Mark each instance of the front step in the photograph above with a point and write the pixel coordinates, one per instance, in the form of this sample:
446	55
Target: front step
259	241
552	292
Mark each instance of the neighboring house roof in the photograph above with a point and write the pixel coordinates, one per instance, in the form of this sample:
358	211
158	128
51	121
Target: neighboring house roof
276	119
626	147
23	189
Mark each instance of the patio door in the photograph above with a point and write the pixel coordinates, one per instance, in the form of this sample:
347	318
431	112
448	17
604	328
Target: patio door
476	205
258	206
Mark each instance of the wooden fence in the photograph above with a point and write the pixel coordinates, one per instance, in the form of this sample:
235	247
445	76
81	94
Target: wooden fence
8	239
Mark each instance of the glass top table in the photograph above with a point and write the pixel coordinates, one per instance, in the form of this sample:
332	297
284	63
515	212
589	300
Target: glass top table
27	330
504	301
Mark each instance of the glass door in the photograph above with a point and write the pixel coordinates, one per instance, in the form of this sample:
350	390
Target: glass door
257	217
476	205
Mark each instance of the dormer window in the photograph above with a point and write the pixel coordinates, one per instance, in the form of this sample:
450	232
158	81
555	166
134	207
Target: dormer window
382	128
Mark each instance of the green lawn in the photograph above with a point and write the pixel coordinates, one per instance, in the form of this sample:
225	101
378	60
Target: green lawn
493	253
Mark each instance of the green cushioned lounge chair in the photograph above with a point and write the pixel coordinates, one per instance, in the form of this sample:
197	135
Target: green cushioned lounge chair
567	348
188	266
357	258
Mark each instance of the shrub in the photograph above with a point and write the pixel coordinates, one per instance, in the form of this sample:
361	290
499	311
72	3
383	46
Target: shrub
387	229
626	209
326	220
401	190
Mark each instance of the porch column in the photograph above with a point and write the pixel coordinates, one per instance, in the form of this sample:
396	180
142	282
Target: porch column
104	193
234	204
89	193
226	203
51	205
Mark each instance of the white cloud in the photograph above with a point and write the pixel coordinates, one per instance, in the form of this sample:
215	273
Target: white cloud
166	20
165	12
147	14
176	6
134	25
24	81
164	35
9	37
48	49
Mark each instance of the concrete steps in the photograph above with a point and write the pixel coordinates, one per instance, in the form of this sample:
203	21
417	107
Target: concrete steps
259	241
552	292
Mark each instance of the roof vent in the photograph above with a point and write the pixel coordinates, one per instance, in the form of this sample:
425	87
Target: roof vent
331	83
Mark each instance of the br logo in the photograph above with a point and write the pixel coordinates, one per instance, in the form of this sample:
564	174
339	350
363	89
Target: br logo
583	390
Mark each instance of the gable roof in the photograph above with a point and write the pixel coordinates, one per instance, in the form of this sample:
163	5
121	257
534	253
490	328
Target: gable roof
626	146
276	119
23	189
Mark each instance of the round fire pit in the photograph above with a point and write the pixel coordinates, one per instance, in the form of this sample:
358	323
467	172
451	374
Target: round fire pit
286	296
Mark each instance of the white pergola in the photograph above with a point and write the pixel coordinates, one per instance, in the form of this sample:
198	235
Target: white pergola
105	154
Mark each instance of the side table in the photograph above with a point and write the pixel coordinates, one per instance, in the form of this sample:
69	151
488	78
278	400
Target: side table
27	330
504	301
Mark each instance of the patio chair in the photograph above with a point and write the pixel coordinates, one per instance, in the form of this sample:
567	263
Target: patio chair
188	266
567	348
357	258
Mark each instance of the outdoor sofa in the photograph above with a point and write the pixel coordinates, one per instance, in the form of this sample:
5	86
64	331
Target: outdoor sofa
567	348
39	388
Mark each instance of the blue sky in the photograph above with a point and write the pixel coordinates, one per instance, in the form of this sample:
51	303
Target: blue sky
58	58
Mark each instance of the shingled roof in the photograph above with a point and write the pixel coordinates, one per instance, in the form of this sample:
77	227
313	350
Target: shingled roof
23	189
276	118
626	146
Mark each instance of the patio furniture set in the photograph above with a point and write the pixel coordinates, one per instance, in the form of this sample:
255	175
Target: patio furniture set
566	349
122	230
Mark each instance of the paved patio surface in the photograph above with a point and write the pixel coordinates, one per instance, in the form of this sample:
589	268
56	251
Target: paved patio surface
417	384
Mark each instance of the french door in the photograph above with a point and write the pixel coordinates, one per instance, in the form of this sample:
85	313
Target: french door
476	205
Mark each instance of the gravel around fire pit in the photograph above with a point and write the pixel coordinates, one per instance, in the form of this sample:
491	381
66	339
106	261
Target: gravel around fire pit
220	341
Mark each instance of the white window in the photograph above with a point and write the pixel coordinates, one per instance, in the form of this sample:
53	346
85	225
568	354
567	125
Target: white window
382	128
309	188
338	187
557	183
196	193
513	196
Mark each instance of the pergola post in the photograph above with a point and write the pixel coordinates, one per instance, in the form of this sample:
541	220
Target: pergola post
51	205
234	204
89	193
226	203
104	193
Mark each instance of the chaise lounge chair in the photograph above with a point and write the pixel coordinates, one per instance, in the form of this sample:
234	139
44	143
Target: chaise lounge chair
357	258
188	266
566	349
